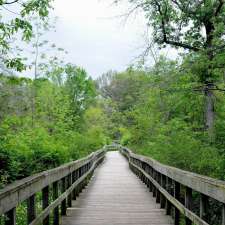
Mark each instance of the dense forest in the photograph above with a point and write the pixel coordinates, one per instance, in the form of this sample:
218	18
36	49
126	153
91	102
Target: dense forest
173	111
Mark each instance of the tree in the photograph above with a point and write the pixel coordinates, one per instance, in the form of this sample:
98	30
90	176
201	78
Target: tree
194	25
80	89
19	23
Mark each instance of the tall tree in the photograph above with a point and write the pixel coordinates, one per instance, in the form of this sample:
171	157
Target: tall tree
194	25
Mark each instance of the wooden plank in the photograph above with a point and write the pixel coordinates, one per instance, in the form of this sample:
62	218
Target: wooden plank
211	187
186	212
115	196
21	190
62	197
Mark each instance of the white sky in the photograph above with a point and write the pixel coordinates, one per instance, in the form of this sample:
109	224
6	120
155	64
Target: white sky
94	37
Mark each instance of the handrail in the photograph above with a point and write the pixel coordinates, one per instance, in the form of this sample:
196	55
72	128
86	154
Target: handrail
166	182
70	178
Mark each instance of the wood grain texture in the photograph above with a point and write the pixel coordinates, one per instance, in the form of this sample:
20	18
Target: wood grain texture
115	196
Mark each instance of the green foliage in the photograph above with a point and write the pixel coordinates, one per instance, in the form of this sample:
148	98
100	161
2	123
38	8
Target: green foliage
35	140
19	24
159	113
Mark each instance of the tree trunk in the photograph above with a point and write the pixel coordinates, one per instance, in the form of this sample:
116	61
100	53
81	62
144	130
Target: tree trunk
209	84
209	111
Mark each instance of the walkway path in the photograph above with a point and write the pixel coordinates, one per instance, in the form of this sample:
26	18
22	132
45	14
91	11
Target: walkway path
115	196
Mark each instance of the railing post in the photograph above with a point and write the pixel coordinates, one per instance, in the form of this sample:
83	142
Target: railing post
168	203
223	214
162	198
31	209
73	180
63	204
151	175
75	191
45	203
154	188
148	172
10	217
188	203
158	179
69	198
56	210
177	196
204	202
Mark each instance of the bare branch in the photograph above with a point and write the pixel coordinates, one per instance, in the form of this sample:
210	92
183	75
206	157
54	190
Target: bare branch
165	38
9	3
220	6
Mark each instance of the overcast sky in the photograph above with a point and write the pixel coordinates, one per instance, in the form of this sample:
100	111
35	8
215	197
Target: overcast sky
95	37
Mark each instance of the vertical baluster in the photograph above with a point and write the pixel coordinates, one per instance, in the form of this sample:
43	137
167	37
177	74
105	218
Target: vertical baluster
10	217
31	209
82	182
76	188
204	203
45	203
86	179
151	175
188	203
56	210
157	191
223	214
162	198
63	189
79	185
177	196
168	203
154	188
148	172
69	198
73	180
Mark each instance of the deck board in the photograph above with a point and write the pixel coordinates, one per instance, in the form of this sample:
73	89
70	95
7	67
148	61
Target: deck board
115	196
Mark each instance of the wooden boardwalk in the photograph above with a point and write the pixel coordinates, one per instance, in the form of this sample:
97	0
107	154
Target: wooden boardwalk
115	196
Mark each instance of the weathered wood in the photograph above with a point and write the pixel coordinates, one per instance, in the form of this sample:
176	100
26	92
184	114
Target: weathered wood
31	209
74	190
45	203
63	189
168	203
186	212
162	198
223	214
69	182
10	217
188	203
62	197
56	210
177	197
204	204
202	184
115	196
14	194
157	191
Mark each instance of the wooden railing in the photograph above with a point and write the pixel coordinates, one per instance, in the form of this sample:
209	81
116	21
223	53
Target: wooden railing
56	188
177	191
